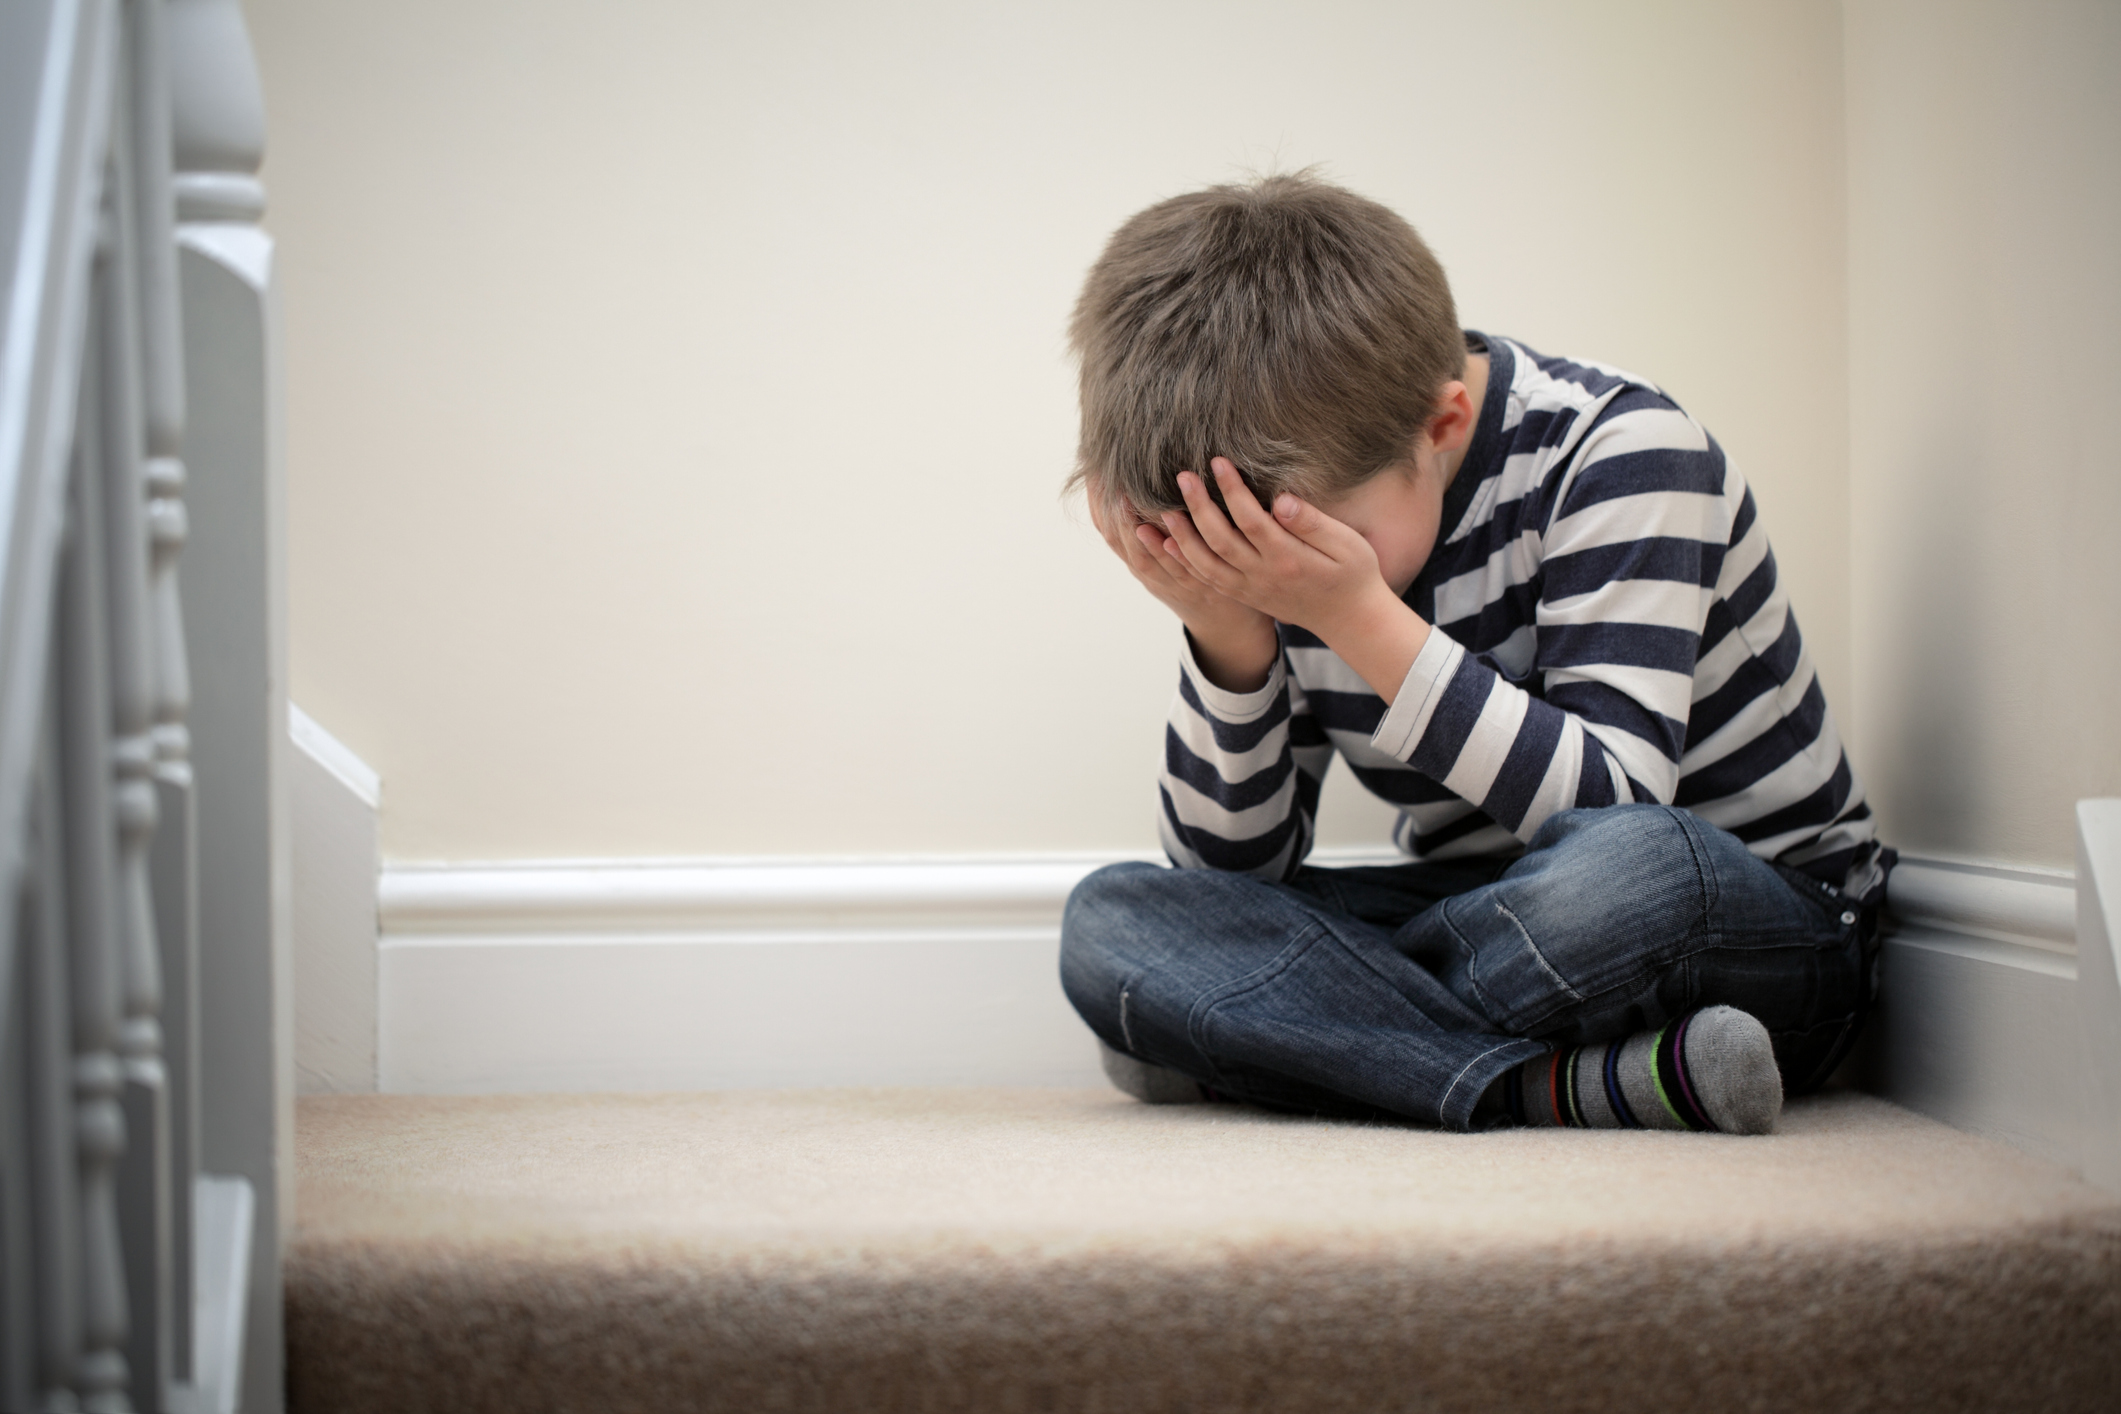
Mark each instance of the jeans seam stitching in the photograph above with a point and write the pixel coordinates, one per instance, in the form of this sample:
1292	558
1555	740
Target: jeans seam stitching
1704	871
1251	982
1537	956
1452	1089
1684	959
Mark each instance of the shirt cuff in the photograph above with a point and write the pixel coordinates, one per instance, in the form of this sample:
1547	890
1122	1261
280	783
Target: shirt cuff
1408	718
1222	704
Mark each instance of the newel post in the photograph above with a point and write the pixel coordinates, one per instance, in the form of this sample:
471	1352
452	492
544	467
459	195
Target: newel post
234	628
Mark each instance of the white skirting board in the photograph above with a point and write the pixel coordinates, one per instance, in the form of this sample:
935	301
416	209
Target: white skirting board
644	974
1998	1009
631	975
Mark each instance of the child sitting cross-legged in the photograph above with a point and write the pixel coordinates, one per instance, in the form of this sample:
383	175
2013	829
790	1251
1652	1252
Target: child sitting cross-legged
1532	605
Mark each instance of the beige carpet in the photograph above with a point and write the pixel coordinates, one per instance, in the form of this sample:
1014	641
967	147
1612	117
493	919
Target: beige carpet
1070	1250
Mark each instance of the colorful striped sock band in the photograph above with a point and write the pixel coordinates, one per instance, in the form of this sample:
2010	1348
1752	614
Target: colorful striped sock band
1709	1070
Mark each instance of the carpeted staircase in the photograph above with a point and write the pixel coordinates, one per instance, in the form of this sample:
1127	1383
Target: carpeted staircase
1004	1250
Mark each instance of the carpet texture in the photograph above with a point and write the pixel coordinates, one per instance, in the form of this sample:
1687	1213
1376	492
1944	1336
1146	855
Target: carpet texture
1006	1250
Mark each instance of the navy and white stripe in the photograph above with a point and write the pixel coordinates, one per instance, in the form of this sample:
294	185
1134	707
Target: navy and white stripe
1611	629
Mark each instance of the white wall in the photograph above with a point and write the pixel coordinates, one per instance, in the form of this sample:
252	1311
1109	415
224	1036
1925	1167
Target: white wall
1985	351
677	394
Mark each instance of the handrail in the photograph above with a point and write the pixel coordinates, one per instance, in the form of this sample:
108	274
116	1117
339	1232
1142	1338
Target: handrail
55	76
122	1264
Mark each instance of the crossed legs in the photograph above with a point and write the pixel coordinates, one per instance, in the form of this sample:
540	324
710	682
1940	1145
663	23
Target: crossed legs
1410	991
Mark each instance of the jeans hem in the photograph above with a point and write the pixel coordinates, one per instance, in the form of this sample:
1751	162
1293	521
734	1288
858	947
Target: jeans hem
1455	1111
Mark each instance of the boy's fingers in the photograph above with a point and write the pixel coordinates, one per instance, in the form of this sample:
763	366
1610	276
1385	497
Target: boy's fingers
1156	557
1151	555
1313	529
1300	518
1192	550
1313	526
1155	546
1245	509
1212	528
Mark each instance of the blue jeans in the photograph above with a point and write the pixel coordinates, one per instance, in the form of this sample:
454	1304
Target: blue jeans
1406	990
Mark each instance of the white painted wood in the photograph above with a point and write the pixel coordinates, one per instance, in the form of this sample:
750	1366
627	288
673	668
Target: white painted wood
140	413
103	1129
648	895
56	79
55	1199
589	975
1977	1033
970	1007
1997	1018
235	626
235	622
2099	986
618	974
625	895
333	796
219	102
352	773
95	910
2012	903
224	1212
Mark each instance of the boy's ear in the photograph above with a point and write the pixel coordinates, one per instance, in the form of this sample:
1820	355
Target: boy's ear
1450	426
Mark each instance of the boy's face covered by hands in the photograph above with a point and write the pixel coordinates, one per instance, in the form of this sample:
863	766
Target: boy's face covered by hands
1308	565
1229	574
1229	571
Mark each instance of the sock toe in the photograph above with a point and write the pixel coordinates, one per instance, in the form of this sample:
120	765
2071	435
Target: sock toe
1731	1062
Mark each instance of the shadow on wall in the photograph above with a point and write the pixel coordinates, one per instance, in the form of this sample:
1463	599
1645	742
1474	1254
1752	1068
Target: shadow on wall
1937	594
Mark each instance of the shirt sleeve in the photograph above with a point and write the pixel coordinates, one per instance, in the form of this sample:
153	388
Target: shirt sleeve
1629	561
1241	774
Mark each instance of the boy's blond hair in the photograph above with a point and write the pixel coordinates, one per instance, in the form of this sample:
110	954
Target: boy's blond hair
1298	329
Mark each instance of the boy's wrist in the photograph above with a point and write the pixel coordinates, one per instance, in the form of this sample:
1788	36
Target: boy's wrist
1236	657
1380	637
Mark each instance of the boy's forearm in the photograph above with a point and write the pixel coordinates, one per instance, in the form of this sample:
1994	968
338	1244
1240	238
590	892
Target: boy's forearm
1239	659
1379	637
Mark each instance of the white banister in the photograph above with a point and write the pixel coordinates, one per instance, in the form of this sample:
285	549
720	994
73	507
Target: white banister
233	614
129	1279
93	907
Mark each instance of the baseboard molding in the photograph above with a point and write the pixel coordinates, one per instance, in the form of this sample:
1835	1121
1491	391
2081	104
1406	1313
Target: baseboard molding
689	974
1984	1021
708	974
2035	908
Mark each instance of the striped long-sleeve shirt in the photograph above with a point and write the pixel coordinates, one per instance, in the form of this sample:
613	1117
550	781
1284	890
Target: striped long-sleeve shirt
1609	629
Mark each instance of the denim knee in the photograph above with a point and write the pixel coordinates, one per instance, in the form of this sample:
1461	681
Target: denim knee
1096	926
1621	917
1603	901
1650	836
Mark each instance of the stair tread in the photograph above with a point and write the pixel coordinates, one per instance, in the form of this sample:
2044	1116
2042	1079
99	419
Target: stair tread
970	1235
921	1165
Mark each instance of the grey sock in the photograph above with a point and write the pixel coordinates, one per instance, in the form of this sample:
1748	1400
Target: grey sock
1151	1084
1711	1069
1732	1064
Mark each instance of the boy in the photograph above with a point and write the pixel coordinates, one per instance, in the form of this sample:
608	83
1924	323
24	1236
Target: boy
1529	601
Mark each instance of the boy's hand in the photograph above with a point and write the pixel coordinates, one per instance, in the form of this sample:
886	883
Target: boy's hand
1235	645
1300	566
